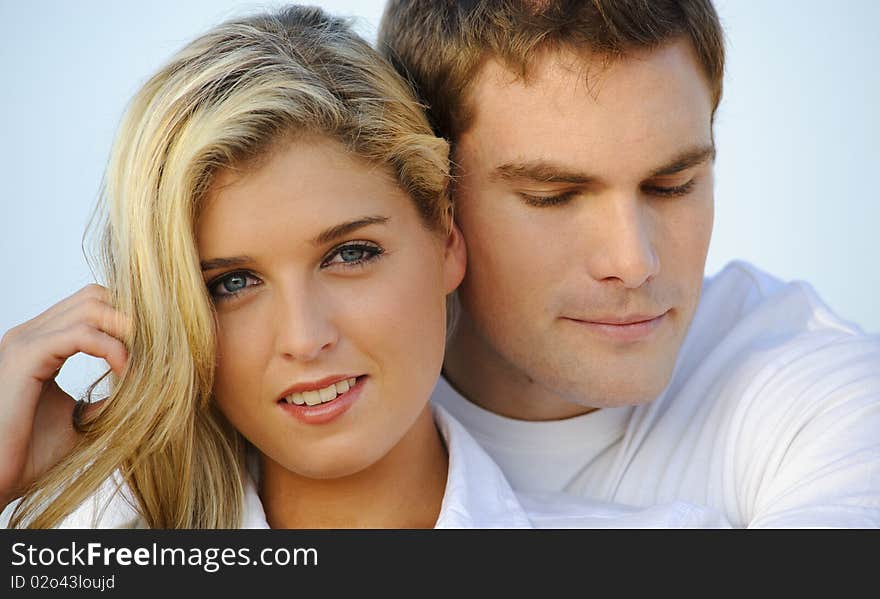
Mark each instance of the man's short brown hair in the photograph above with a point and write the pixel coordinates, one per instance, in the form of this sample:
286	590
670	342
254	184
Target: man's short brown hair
440	45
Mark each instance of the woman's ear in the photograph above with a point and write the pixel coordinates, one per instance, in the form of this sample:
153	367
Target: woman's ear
454	259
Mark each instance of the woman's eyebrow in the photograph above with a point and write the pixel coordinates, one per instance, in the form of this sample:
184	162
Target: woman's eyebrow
223	262
342	229
326	236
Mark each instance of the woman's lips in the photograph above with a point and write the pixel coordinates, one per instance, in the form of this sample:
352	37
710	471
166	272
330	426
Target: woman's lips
628	329
323	383
322	413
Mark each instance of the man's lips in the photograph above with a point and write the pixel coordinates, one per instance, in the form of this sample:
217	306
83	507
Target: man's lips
623	320
631	327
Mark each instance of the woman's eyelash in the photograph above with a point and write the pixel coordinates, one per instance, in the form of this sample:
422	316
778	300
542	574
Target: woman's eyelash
352	254
230	278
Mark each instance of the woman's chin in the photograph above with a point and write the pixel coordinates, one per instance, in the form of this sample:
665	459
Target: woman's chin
328	465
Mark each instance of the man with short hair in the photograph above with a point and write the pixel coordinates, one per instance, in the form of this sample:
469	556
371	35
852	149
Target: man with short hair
590	354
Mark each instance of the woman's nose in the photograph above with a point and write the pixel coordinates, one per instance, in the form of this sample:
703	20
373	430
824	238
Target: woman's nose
304	325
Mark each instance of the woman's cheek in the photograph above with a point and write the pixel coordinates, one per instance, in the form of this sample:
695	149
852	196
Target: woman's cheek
400	314
242	343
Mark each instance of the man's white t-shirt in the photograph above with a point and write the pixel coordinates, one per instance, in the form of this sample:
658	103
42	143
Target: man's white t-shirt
772	417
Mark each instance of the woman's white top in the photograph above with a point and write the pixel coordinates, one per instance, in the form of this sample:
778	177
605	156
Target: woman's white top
477	495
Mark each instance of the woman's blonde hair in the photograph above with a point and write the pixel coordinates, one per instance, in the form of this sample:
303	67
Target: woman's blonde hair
222	102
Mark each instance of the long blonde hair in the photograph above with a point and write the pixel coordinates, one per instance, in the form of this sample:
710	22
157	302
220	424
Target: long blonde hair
221	102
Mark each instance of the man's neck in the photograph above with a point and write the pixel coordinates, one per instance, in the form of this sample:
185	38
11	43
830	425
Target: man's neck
404	489
485	378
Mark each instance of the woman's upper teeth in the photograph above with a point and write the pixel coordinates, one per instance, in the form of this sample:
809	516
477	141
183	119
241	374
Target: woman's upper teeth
329	393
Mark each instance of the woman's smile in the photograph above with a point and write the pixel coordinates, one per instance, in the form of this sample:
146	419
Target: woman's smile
320	405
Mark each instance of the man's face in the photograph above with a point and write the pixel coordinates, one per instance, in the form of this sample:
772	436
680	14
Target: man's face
586	200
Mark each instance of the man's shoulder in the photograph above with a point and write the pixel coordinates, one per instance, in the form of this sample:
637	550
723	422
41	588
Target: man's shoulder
756	336
744	307
741	289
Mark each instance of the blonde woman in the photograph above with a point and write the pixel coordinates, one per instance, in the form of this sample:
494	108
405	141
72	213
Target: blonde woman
278	250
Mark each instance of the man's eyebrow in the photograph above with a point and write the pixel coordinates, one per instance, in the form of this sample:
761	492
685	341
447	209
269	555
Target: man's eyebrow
342	229
685	160
540	171
224	262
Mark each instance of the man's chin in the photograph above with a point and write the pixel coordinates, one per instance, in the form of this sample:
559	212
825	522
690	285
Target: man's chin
614	389
610	376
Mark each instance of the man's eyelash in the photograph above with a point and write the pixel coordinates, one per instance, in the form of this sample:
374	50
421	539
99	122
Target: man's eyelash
546	201
671	192
562	198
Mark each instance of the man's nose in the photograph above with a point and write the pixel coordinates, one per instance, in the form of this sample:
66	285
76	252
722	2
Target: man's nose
623	246
303	323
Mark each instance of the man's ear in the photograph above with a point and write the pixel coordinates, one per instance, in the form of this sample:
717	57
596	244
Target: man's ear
454	259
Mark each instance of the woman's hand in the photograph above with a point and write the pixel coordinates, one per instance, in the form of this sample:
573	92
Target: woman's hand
36	415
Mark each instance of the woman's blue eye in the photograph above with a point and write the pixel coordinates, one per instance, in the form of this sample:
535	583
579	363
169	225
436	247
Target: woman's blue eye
230	285
353	254
234	283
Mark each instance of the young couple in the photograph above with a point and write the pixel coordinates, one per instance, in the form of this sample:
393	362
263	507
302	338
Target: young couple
279	248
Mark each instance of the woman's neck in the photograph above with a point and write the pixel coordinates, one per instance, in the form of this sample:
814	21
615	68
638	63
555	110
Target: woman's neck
404	489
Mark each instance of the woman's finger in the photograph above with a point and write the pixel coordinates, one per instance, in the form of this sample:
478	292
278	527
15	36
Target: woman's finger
53	349
92	291
103	317
97	343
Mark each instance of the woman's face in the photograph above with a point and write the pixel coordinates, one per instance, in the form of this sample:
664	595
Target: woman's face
324	278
